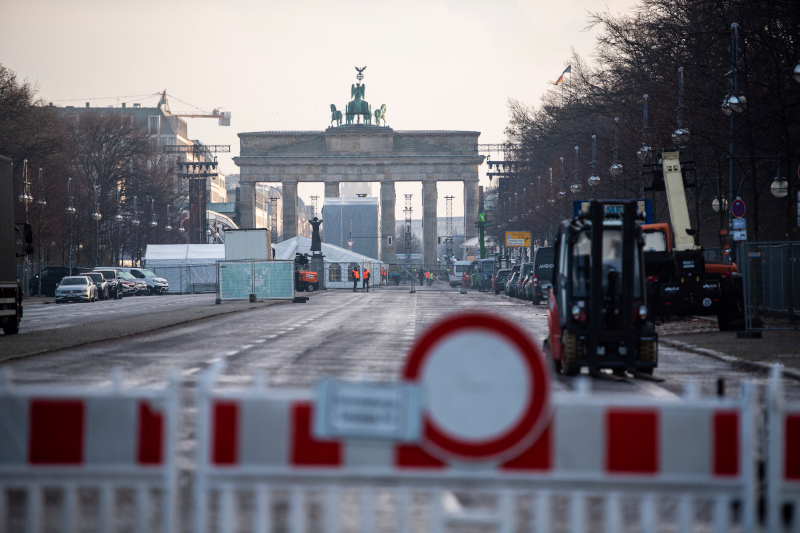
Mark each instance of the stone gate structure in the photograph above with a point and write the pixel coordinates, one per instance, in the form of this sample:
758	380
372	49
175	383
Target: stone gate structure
368	153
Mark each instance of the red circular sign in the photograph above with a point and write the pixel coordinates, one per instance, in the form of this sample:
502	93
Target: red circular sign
486	387
737	208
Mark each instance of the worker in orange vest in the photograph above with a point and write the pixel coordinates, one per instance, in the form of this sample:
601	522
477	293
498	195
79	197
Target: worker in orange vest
355	278
366	279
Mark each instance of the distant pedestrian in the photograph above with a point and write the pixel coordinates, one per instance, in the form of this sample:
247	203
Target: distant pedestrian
366	279
355	278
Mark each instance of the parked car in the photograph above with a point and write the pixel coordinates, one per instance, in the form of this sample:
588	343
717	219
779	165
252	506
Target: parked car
50	276
111	275
543	263
524	271
76	288
499	280
514	270
511	284
132	286
103	290
155	284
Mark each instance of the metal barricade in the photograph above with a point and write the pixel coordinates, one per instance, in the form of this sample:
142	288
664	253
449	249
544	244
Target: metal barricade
605	463
237	280
771	280
107	453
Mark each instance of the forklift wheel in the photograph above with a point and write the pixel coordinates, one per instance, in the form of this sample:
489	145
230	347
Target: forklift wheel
647	353
570	365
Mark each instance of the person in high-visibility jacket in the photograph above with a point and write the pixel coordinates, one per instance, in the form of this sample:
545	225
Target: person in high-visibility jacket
366	279
355	278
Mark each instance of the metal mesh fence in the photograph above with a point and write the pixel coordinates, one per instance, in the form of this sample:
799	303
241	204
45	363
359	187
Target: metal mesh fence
188	279
237	280
771	275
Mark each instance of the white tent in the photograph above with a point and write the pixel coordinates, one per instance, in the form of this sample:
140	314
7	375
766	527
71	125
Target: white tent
189	268
338	261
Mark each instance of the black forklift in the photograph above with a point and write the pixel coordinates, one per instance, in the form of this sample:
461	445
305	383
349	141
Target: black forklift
597	313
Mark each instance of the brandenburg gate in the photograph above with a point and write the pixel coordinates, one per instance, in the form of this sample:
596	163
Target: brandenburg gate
362	152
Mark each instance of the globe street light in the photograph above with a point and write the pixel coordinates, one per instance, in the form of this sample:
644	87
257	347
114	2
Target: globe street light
576	185
780	186
681	135
551	200
796	72
96	216
594	179
71	211
561	191
719	202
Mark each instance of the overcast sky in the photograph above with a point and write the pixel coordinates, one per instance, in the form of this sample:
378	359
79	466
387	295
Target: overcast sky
437	65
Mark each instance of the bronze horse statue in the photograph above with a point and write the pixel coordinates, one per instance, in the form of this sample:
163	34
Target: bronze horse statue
380	114
336	116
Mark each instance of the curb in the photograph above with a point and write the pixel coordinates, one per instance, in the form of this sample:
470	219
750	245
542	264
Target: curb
731	360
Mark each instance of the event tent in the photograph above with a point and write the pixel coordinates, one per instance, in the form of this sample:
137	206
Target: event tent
338	261
189	268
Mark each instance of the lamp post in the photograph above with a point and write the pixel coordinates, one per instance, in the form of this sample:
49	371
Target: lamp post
117	224
153	221
616	167
26	198
733	103
594	179
550	198
644	150
681	135
41	202
168	227
135	222
71	214
576	185
96	216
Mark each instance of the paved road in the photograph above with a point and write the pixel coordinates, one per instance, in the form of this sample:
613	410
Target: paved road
337	333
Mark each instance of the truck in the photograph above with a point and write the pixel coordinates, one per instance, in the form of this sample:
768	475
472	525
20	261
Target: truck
16	240
680	281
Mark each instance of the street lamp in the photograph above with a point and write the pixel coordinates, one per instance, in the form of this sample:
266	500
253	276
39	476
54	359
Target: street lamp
576	185
780	186
734	103
796	72
594	179
616	167
135	223
681	135
25	196
41	202
96	216
168	227
551	200
719	202
71	211
561	191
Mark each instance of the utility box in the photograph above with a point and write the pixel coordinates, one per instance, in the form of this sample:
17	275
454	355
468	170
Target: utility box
247	244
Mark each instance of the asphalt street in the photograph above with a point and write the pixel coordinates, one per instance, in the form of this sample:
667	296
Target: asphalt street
359	336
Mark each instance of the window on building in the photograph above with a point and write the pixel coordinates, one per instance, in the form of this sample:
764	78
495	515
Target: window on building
153	123
335	272
350	268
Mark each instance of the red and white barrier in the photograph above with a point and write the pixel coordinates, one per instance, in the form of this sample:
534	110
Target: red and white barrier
103	439
593	446
783	461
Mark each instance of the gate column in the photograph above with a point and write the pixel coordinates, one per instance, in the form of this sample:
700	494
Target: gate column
387	222
331	189
470	209
289	209
247	204
429	236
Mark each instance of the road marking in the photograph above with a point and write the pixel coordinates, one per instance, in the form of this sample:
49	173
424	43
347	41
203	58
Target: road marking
259	341
246	346
191	371
232	352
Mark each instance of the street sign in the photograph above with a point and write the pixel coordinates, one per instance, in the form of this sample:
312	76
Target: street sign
739	223
350	244
485	385
739	235
518	239
361	410
737	208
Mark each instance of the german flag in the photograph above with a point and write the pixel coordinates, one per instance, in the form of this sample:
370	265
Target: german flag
560	79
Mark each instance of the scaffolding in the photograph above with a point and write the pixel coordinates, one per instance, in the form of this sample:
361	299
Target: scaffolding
407	211
449	238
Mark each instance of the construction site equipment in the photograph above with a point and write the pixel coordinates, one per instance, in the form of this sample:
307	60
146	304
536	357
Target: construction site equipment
598	315
680	281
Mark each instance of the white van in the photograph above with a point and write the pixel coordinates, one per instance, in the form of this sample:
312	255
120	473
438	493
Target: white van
457	271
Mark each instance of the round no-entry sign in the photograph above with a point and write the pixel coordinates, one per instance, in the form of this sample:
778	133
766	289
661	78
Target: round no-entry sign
486	388
737	208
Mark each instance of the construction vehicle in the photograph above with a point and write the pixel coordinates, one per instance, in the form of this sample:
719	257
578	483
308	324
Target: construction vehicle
597	313
304	280
680	281
15	241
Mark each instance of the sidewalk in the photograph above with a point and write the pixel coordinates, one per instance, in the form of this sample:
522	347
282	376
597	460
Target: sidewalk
38	300
703	337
